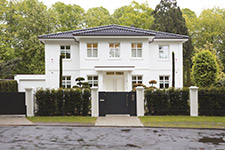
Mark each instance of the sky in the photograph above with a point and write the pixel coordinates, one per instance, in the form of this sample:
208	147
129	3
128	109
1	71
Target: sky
111	5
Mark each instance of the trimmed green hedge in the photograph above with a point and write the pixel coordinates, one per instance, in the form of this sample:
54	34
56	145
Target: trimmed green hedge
8	86
63	102
167	102
211	101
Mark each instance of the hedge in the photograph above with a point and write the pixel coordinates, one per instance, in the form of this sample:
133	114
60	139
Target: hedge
167	102
211	101
8	86
62	102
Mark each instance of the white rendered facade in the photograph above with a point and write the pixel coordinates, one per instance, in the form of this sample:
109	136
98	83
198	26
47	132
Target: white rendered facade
113	73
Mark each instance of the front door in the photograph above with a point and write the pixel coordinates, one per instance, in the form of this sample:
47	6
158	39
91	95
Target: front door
114	81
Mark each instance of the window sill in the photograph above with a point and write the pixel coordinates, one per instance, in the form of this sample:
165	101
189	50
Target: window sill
67	60
92	58
164	60
136	58
114	58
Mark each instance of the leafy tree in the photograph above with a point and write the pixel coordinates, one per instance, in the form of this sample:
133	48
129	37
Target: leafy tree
79	81
204	69
68	17
135	14
7	69
168	18
98	16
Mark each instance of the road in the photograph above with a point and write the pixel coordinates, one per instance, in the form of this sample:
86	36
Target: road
107	138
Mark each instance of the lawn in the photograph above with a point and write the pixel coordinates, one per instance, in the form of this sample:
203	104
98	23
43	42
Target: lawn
63	119
183	121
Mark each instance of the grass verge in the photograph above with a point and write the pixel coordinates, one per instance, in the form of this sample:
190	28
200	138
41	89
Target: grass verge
184	121
63	119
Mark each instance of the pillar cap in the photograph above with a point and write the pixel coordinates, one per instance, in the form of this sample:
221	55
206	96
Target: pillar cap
94	88
139	88
193	88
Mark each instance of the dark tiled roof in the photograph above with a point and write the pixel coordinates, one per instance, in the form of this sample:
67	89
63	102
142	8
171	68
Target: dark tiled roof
113	30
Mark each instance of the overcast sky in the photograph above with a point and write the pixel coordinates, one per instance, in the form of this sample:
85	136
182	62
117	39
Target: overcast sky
111	5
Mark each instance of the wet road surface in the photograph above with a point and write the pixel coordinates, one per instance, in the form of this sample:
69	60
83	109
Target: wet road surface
92	138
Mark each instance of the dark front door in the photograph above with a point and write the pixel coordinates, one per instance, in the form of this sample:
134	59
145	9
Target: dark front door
12	103
117	103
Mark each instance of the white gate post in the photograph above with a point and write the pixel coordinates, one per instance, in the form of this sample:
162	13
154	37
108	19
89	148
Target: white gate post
140	100
29	101
94	102
193	100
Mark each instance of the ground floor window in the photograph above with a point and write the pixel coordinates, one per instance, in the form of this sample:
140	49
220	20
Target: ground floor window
163	82
136	79
66	81
93	81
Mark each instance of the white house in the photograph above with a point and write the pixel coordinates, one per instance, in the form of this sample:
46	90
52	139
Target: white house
110	57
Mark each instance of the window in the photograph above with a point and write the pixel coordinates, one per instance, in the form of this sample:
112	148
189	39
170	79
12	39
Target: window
136	79
163	82
93	81
66	51
136	50
66	82
163	52
92	50
114	50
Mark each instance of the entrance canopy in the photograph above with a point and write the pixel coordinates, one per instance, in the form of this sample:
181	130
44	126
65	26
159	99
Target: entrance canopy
114	68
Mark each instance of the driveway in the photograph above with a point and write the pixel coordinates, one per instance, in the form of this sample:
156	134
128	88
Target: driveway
92	138
14	120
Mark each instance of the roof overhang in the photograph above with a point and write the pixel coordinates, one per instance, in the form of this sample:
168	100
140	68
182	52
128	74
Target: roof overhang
113	37
171	40
56	39
114	68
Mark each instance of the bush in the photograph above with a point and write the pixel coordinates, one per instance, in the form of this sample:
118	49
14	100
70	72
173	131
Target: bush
8	86
167	102
62	102
211	101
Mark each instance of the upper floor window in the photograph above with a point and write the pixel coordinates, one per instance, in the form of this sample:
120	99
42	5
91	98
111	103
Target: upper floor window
136	50
93	81
164	52
136	79
163	82
65	50
114	50
66	82
92	50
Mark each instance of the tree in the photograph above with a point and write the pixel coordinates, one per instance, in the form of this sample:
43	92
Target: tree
79	81
135	14
98	16
7	69
168	18
61	69
68	17
204	69
173	69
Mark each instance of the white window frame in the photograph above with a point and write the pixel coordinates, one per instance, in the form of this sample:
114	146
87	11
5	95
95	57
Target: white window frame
114	49
136	80
92	81
136	50
65	51
163	51
92	50
66	83
164	81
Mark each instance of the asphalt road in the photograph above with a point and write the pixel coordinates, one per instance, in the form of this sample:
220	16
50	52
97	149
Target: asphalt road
91	138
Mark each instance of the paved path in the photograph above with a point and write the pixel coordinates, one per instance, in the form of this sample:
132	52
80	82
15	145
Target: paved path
108	138
14	120
119	121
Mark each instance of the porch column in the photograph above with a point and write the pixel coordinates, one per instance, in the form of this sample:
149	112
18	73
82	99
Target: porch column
193	100
140	101
100	80
129	81
94	102
29	101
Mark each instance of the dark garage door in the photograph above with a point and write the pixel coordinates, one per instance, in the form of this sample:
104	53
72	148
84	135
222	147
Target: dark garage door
12	103
117	103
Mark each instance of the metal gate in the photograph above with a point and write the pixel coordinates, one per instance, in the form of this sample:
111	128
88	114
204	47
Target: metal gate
117	103
12	103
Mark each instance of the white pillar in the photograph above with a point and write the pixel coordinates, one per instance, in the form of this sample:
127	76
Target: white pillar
94	102
193	100
100	80
29	96
129	81
140	100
